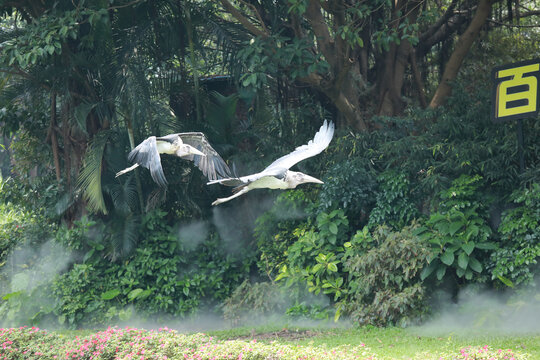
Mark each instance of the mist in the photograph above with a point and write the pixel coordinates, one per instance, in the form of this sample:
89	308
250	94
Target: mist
28	267
486	311
192	234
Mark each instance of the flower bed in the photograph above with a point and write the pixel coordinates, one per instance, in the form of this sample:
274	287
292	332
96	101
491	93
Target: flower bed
130	344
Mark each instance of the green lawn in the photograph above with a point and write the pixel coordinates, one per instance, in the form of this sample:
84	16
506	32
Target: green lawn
396	343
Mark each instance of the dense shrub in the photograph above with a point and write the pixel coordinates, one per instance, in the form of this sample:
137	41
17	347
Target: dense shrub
162	276
458	233
274	230
350	187
315	258
516	261
253	302
394	205
384	281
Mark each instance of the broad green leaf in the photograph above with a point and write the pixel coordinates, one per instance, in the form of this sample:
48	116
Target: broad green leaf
111	294
338	313
428	270
454	227
333	228
134	293
146	293
475	264
11	295
486	246
316	268
447	258
468	247
332	267
88	255
463	260
505	281
440	272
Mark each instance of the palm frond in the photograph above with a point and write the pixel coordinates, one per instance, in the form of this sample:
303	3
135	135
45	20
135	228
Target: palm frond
124	196
89	181
124	233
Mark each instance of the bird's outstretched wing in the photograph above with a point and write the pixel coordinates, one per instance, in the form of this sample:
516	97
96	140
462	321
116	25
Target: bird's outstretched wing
317	145
146	154
211	165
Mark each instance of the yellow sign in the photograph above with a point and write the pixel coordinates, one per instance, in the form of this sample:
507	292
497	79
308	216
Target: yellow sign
515	94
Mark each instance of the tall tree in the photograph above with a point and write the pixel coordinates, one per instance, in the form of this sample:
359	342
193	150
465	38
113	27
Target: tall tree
366	57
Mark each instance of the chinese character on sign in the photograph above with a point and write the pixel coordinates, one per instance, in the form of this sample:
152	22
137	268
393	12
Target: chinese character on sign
515	92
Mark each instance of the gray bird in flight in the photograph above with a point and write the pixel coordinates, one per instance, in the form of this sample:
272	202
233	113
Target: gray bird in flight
278	175
191	146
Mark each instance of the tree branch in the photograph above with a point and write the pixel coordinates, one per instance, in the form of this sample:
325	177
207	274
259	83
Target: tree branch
257	14
320	29
242	19
461	49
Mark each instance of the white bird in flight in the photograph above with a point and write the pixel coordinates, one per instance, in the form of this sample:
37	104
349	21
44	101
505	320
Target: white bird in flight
191	146
278	175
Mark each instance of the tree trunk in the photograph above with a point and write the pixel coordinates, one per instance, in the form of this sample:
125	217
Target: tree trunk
54	139
396	61
67	143
462	47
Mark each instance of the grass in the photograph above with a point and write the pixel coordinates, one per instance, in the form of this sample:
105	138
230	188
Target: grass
398	343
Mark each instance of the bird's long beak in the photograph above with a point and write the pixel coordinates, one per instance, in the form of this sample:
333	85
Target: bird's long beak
311	179
196	152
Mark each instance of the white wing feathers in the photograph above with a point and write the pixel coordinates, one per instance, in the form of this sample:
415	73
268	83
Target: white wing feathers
279	167
211	165
146	154
317	145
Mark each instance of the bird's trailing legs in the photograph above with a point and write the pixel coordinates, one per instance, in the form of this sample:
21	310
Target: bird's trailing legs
126	170
222	200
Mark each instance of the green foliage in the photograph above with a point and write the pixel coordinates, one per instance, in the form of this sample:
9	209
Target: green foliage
273	54
274	230
458	233
348	186
314	258
252	302
78	292
384	282
515	262
90	177
161	276
394	205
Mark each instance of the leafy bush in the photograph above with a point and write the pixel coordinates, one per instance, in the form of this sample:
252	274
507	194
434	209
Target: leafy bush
384	282
274	230
348	186
458	233
251	301
394	206
314	259
515	262
161	276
